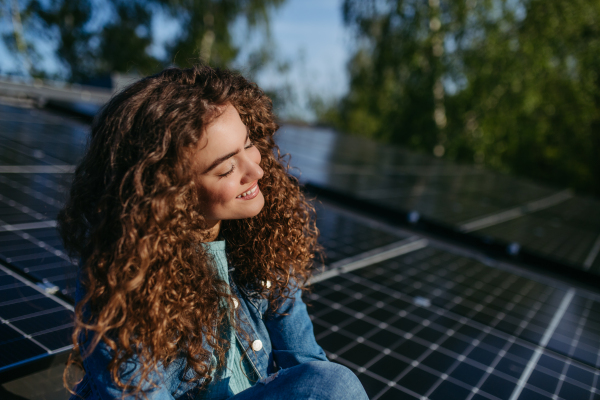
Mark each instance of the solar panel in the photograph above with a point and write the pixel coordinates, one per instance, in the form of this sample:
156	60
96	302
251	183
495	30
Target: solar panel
36	152
541	219
343	237
568	231
33	324
432	324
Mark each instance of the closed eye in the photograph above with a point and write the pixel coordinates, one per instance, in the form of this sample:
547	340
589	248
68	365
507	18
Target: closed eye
228	172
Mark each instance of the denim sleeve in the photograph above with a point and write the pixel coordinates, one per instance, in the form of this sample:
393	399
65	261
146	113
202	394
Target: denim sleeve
292	335
99	380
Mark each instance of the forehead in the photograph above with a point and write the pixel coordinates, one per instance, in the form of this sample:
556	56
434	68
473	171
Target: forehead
224	134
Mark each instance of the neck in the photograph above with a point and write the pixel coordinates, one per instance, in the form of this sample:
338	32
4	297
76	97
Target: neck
214	227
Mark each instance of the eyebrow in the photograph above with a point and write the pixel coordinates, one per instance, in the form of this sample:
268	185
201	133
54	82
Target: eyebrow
225	157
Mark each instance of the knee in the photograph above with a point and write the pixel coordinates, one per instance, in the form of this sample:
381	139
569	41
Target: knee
329	380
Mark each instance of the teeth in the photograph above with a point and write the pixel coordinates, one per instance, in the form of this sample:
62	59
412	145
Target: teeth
247	193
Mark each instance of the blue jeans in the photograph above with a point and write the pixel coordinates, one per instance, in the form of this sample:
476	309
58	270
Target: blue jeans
315	380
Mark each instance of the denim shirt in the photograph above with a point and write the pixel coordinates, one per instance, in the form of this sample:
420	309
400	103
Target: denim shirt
279	340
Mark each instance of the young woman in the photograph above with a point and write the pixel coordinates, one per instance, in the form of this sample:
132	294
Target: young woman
195	245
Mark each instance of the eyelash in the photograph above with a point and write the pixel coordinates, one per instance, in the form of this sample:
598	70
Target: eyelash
226	174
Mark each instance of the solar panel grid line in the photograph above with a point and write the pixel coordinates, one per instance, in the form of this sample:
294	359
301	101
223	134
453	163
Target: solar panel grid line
53	329
50	249
543	343
457	300
33	152
32	285
409	245
49	183
37	169
63	276
574	343
503	216
32	192
555	392
586	348
25	335
44	267
501	265
437	184
354	216
370	257
12	286
488	370
13	118
596	378
571	248
493	365
432	347
500	354
22	208
15	115
479	308
14	243
426	171
36	314
435	346
17	156
16	301
26	257
387	351
28	226
24	151
591	257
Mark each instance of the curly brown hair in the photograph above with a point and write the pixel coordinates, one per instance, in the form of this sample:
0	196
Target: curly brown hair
134	216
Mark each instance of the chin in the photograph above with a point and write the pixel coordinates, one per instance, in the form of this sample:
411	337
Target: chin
260	203
249	210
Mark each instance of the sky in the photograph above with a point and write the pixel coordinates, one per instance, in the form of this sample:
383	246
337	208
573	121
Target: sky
311	34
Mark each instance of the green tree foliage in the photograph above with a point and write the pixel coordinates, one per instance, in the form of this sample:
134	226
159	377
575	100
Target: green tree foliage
95	37
509	84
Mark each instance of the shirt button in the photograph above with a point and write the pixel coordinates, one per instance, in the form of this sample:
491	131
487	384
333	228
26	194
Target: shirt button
256	345
235	303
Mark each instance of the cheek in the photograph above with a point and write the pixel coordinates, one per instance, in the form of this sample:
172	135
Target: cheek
217	196
224	193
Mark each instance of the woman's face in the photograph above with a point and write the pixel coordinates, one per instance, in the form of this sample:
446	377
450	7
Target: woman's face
228	170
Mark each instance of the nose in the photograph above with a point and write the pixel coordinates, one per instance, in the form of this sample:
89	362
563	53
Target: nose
252	170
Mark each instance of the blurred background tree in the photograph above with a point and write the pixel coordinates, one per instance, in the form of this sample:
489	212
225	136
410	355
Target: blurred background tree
99	37
509	84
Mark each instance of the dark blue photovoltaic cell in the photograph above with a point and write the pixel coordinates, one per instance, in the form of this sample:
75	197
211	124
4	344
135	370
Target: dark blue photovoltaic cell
15	351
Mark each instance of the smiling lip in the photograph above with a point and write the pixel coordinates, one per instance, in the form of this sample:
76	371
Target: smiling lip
254	189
